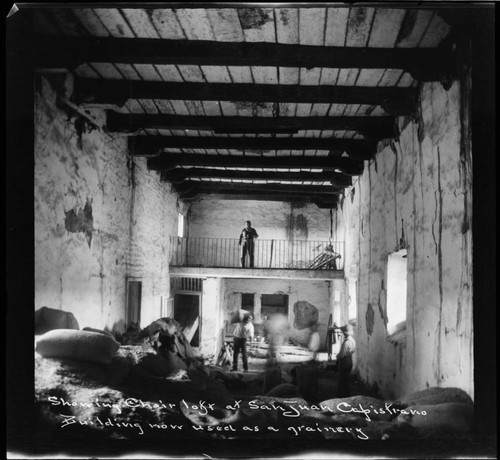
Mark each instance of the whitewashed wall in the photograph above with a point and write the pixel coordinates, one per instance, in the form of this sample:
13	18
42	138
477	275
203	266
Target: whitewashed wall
272	219
212	320
153	220
416	195
290	236
98	219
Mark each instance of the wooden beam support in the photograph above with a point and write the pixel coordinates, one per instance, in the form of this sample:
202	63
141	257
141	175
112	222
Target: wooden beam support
395	100
373	127
425	64
150	145
167	162
303	199
179	175
242	193
190	186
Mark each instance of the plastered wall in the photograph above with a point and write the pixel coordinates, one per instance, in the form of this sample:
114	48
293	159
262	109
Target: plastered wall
212	320
272	219
310	297
100	219
290	235
416	195
154	214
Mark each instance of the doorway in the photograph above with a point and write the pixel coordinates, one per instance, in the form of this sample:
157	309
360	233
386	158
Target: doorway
187	314
134	296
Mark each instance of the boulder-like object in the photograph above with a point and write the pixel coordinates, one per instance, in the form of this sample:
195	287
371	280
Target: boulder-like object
362	406
435	419
48	319
79	345
435	395
237	316
283	390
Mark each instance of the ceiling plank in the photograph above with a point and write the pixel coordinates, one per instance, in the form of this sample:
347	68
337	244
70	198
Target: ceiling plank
372	127
400	101
337	179
140	22
114	22
167	25
426	64
151	145
166	162
386	26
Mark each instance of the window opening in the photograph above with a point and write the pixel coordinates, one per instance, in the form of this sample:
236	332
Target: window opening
273	304
180	225
247	302
397	268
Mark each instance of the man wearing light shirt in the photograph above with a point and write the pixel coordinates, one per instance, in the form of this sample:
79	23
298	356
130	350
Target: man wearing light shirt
244	331
344	360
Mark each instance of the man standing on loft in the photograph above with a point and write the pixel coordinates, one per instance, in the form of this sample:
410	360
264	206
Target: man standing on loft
246	243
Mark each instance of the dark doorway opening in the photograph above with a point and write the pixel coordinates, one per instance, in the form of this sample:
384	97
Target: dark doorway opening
273	304
134	295
247	302
187	314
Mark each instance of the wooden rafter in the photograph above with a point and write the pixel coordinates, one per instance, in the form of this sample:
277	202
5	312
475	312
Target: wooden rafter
189	186
167	162
373	127
260	195
394	100
179	175
425	64
150	145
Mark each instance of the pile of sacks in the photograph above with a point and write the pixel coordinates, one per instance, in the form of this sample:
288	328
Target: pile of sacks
58	336
164	335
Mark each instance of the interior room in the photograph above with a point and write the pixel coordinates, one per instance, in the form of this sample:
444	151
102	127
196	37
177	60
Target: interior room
255	223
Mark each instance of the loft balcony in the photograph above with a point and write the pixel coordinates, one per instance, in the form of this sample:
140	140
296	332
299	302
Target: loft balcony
221	257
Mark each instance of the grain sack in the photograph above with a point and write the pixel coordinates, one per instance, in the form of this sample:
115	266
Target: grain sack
438	418
99	331
362	406
435	395
80	345
48	319
283	390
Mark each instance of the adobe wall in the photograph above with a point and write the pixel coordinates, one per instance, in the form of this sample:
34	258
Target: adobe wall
415	195
100	218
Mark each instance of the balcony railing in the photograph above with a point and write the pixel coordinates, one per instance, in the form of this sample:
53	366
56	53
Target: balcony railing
277	254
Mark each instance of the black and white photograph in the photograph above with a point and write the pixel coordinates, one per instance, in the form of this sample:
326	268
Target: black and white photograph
251	230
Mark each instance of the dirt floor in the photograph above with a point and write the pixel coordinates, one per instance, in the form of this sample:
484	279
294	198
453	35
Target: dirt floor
139	400
326	377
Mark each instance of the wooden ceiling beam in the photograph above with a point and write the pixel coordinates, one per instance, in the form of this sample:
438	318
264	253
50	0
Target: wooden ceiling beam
394	100
321	202
244	193
425	64
179	175
372	127
167	162
362	149
190	186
